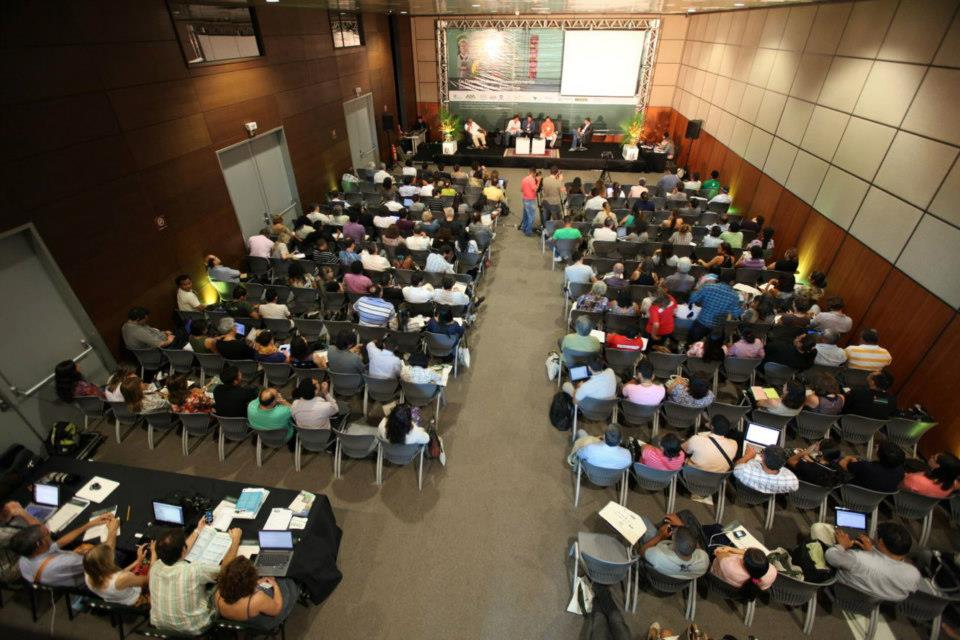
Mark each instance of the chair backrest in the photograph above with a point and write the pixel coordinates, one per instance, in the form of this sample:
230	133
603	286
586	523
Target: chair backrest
726	590
739	370
309	328
732	412
280	327
666	584
440	345
122	413
814	426
854	600
382	389
233	428
770	419
913	506
652	479
248	368
699	365
90	405
197	424
419	394
858	429
149	359
777	375
573	358
791	592
160	419
404	341
860	498
211	363
748	496
904	431
314	439
346	384
808	495
680	416
277	372
356	446
597	408
923	606
400	454
665	364
702	482
621	360
855	377
179	359
272	437
638	414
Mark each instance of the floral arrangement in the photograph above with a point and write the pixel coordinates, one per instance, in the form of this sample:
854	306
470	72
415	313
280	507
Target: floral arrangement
632	128
450	125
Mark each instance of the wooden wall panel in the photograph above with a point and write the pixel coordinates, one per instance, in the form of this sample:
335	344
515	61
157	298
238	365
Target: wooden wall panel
105	133
716	160
856	274
908	318
788	220
939	366
818	244
766	198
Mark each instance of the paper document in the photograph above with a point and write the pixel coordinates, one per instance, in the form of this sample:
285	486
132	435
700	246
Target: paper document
210	547
66	514
743	539
745	288
764	393
460	287
302	504
248	550
629	524
223	515
99	533
103	489
599	335
278	520
444	371
297	523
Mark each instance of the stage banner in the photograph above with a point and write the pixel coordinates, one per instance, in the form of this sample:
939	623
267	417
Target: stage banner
487	61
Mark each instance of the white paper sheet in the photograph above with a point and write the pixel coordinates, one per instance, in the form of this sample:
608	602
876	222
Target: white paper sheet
278	520
626	522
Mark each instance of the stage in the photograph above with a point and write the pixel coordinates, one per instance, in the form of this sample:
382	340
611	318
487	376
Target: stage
582	160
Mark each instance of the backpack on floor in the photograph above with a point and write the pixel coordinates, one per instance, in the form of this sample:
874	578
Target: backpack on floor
64	439
561	411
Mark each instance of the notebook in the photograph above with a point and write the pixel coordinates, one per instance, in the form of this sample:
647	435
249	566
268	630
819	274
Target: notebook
764	393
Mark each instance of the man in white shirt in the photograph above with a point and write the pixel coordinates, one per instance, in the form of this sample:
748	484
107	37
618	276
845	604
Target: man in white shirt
418	291
476	133
383	363
448	296
186	299
381	174
441	262
382	221
606	232
270	308
314	405
419	241
514	127
371	259
828	353
409	169
260	245
638	189
596	202
408	189
601	385
393	206
834	319
723	196
426	190
578	271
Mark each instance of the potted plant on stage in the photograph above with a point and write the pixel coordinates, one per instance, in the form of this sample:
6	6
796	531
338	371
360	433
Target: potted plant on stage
632	130
452	129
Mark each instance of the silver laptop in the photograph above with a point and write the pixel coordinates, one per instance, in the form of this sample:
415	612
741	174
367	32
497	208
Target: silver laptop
853	522
276	552
167	514
761	436
46	500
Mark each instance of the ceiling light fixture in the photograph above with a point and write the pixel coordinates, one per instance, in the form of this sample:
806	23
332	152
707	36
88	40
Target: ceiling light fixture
691	10
738	4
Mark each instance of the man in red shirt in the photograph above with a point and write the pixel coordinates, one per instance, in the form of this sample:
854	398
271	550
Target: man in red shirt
628	341
661	317
528	190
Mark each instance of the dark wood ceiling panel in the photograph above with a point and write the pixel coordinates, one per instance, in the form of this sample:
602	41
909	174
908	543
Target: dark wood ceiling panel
122	20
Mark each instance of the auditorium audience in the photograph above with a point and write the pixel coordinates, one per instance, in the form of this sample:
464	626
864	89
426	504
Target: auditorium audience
883	474
868	355
712	451
765	472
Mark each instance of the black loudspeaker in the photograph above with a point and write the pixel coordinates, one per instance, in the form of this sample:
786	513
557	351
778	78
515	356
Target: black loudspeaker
693	129
388	122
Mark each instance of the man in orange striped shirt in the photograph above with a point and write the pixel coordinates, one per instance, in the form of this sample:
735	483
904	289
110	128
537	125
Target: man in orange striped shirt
868	355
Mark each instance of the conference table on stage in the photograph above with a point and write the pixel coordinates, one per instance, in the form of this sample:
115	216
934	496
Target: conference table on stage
314	564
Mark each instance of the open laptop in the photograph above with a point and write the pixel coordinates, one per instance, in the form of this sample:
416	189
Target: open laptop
579	373
168	515
276	552
761	436
853	522
46	500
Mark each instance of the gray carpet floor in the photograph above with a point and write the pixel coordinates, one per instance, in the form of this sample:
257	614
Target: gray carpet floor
482	551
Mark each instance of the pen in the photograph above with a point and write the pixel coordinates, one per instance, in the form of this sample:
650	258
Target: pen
128	513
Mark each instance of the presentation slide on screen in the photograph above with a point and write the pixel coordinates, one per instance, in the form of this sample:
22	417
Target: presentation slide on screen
544	66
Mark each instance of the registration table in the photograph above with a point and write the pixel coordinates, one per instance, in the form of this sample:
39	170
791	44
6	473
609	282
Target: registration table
314	564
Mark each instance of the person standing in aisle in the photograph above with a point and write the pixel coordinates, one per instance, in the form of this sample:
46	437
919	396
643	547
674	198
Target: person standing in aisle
528	191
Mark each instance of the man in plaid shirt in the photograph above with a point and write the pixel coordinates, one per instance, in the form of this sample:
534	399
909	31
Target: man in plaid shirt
766	472
716	302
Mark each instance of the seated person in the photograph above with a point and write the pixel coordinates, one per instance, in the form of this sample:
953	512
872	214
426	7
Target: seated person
765	472
748	346
746	569
313	404
447	295
302	356
819	464
179	600
217	271
137	334
694	392
680	281
270	411
595	301
43	561
69	382
239	306
643	389
267	350
615	277
790	402
580	341
400	427
231	397
714	452
199	340
710	349
607	454
874	400
826	397
940	480
661	316
624	305
343	356
185	398
444	324
140	397
668	456
601	385
672	549
797	353
271	308
883	474
877	567
417	370
355	280
868	355
261	603
104	578
373	311
384	363
828	353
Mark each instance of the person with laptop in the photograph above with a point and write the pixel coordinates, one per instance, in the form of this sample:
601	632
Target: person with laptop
591	381
877	567
44	561
765	472
714	452
819	464
260	602
179	601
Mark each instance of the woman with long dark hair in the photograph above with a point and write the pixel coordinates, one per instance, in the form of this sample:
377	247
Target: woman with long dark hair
400	427
746	569
259	602
941	480
70	383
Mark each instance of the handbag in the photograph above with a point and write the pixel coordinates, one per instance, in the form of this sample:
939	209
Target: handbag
463	356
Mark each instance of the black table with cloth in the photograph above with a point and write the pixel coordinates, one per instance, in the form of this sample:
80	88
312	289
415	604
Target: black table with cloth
314	565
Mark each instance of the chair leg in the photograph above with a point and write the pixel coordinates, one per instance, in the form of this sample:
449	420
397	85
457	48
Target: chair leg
771	510
692	600
117	424
672	495
220	444
811	614
623	489
379	466
656	424
259	452
721	500
873	522
33	602
150	436
575	552
823	510
874	618
573	429
748	614
576	492
935	628
925	529
296	455
336	460
420	472
366	398
869	454
184	439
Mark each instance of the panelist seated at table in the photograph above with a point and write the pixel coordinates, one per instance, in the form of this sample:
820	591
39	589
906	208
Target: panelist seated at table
476	133
179	599
530	126
514	128
110	582
548	131
43	560
262	603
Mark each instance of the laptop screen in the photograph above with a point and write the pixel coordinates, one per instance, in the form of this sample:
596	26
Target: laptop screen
48	494
169	513
276	539
851	519
579	373
241	328
760	435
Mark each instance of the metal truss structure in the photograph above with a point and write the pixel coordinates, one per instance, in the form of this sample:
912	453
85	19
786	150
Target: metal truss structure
650	25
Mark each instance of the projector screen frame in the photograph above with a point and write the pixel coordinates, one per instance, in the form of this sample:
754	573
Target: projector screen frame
650	25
